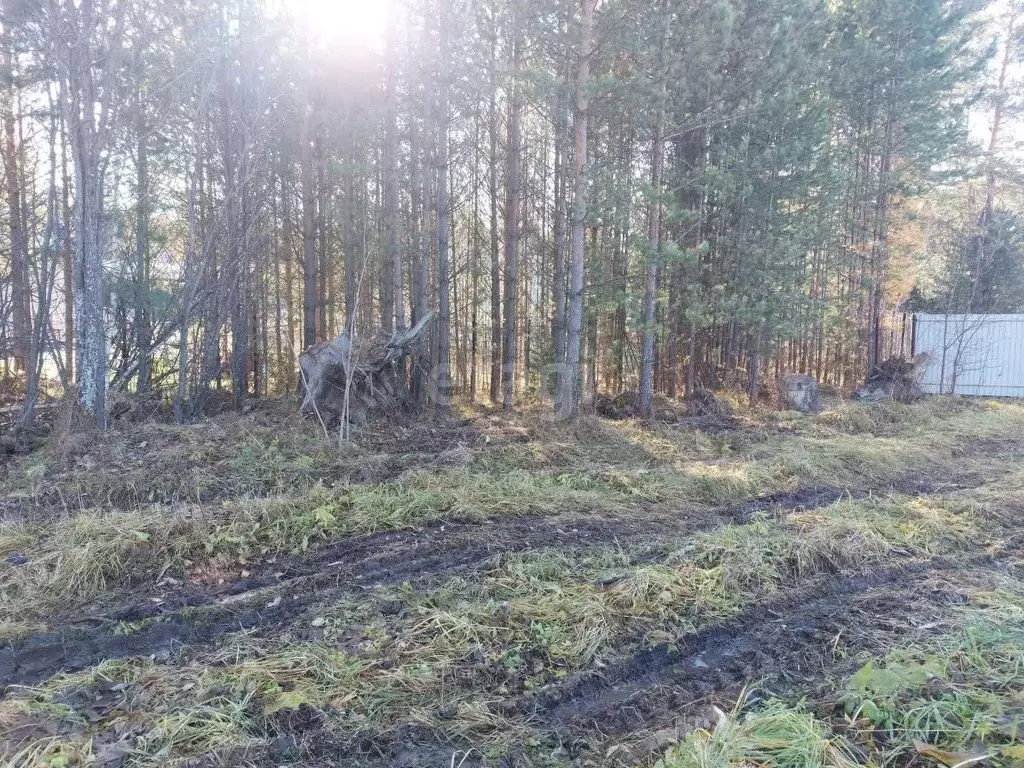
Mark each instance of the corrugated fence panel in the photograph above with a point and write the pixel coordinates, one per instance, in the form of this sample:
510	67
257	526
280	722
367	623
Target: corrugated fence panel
980	355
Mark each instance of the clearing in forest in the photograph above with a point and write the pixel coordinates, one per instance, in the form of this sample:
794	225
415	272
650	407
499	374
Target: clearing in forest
832	590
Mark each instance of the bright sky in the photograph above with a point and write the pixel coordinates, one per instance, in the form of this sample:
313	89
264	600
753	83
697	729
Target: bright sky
338	25
345	22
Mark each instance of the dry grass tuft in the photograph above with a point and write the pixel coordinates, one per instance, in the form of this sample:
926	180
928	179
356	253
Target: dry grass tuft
775	735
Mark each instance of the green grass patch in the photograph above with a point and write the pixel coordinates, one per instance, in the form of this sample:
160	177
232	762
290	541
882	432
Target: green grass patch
954	699
952	693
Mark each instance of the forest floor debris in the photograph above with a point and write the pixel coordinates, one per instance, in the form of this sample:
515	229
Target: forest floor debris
806	590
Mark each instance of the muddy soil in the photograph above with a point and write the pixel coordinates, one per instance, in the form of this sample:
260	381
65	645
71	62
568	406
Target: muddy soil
176	615
450	548
172	616
783	645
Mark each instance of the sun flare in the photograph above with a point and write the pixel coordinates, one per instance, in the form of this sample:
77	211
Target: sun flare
348	22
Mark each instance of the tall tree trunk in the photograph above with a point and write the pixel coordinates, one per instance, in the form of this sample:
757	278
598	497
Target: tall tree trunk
212	285
418	281
392	254
67	257
592	319
191	285
308	224
21	295
880	242
654	229
279	359
352	265
289	278
323	196
475	265
444	276
143	327
651	272
238	255
524	288
92	341
558	289
513	205
1010	53
754	381
496	355
256	307
46	277
982	287
87	115
570	398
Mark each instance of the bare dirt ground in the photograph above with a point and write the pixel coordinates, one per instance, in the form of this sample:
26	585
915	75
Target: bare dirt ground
833	590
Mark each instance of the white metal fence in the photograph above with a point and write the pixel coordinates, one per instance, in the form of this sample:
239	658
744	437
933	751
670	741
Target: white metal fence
980	355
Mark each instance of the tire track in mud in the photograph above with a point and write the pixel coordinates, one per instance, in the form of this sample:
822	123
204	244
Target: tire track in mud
783	643
186	616
449	548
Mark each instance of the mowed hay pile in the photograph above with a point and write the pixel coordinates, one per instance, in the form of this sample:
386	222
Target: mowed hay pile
626	405
705	404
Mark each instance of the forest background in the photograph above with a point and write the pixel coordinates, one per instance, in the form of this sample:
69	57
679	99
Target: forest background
659	195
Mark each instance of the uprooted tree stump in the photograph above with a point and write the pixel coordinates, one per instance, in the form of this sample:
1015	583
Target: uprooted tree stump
348	381
895	379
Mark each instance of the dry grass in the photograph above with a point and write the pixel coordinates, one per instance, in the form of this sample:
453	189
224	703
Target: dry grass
664	471
271	454
80	558
152	463
777	735
446	657
529	620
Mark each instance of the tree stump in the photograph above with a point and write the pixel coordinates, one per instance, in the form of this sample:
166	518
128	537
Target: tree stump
349	381
895	379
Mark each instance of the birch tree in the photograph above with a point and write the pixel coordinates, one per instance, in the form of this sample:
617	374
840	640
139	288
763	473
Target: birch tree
87	36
